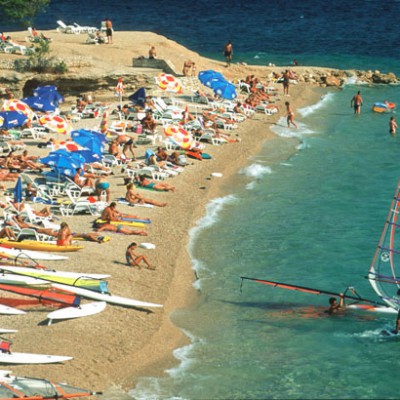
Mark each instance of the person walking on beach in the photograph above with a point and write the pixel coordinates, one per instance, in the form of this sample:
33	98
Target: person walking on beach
392	126
109	30
228	53
289	115
134	260
357	102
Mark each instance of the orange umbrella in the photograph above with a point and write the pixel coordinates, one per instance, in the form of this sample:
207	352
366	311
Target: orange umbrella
178	135
18	105
103	124
169	83
56	124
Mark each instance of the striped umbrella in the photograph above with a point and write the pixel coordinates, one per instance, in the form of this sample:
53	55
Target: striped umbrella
18	105
103	124
56	124
178	135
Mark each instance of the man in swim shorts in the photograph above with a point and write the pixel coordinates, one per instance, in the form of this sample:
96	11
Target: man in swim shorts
357	102
228	53
101	185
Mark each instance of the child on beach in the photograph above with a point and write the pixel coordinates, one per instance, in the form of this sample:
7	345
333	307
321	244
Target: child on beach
134	260
392	126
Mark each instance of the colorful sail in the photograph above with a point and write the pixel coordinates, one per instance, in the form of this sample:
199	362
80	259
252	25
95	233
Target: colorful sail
383	275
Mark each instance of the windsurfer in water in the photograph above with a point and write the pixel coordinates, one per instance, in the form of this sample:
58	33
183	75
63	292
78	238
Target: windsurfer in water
334	306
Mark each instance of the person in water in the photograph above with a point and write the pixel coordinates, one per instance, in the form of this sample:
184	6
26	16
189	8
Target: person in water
357	102
334	306
392	126
289	115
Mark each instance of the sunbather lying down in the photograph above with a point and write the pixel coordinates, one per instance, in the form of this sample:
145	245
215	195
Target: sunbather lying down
135	198
160	186
118	229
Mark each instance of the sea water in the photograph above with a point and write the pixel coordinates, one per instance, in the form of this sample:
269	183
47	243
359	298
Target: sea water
314	220
311	219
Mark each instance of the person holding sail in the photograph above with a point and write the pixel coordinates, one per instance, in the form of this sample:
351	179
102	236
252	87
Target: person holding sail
334	306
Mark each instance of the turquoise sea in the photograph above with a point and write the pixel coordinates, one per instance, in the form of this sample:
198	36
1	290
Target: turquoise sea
313	219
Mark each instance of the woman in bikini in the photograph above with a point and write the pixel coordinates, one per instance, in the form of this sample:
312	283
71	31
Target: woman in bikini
135	198
289	115
160	186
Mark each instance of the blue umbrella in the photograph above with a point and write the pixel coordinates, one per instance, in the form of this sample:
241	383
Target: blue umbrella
139	97
12	119
206	77
88	156
62	159
92	141
226	90
18	191
40	103
50	93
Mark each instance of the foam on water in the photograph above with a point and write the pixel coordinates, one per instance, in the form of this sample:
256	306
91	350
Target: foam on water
324	102
282	130
256	171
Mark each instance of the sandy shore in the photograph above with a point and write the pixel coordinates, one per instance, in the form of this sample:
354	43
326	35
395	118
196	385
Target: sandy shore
119	345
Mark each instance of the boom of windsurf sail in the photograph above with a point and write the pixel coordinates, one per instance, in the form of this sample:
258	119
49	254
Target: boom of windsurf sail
305	289
382	272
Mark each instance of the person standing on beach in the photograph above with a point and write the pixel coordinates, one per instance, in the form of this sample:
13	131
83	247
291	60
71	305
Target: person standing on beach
228	53
392	126
109	30
357	102
286	82
289	115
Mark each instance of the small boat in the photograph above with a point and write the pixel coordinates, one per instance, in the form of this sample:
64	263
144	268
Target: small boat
15	387
107	297
40	246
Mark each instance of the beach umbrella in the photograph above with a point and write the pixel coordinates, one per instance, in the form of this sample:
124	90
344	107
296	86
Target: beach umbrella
90	140
18	191
12	119
208	76
179	136
88	156
50	93
63	159
225	89
104	124
18	105
56	124
39	103
168	83
67	145
139	97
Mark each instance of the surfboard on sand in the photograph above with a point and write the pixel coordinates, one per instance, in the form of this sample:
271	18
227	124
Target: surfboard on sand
84	310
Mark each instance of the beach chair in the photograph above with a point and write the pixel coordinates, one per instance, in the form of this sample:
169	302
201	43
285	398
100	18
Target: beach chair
85	190
63	28
78	204
85	29
244	87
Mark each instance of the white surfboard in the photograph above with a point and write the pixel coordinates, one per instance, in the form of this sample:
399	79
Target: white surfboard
36	273
83	310
11	279
109	298
10	310
30	254
30	358
148	246
3	331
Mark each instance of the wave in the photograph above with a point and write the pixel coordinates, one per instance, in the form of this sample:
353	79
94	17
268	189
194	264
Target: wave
325	100
151	388
282	130
255	171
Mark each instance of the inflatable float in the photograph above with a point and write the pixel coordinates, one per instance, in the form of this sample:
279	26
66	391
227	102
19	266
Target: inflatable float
383	107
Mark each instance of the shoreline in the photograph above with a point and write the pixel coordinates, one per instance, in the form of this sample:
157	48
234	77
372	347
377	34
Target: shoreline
137	343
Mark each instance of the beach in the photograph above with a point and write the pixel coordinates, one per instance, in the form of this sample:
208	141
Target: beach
120	345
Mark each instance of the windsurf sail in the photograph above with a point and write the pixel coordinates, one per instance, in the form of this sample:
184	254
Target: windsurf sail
305	289
46	294
382	272
14	387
